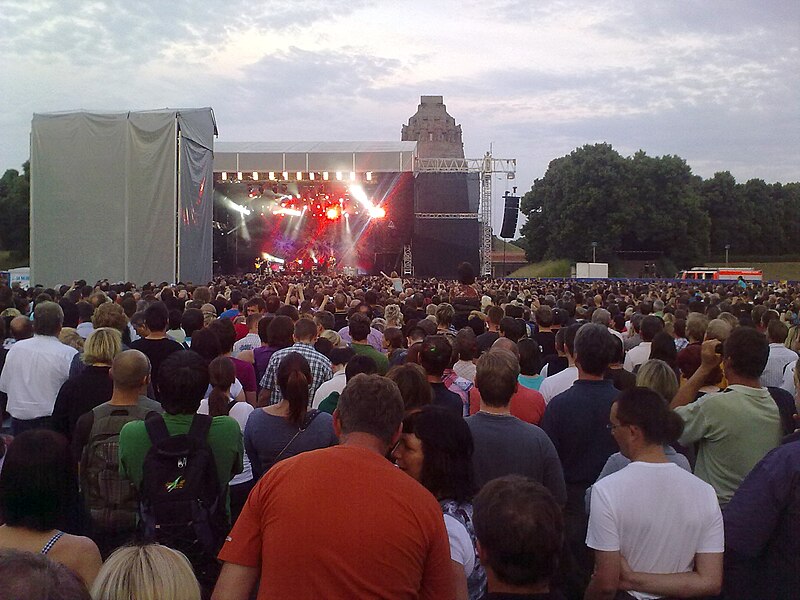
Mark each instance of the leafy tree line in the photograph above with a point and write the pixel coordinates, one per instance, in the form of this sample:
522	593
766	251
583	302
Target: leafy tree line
15	193
653	204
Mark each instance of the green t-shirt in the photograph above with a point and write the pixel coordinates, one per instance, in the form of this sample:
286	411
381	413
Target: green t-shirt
380	359
330	403
735	429
224	437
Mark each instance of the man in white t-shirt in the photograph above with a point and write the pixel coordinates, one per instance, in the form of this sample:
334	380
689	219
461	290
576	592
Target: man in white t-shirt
339	359
651	325
251	340
655	528
553	385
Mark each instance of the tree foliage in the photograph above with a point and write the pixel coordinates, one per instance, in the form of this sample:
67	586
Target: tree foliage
654	205
15	210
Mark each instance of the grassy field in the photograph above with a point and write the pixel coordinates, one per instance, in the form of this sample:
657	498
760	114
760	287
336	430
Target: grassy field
773	271
547	268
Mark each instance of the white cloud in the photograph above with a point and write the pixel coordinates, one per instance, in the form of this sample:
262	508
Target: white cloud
715	82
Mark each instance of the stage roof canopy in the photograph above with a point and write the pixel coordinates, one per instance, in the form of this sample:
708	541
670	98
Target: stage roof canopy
359	157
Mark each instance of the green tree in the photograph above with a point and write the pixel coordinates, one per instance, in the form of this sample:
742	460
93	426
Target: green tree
580	199
720	197
596	195
15	211
667	209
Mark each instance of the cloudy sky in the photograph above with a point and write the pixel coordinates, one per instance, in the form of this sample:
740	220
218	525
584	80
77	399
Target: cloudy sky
716	82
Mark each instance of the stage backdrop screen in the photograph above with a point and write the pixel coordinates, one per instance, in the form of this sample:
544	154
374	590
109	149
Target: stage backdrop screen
106	202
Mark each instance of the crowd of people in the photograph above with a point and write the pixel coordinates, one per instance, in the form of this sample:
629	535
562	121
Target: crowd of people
329	436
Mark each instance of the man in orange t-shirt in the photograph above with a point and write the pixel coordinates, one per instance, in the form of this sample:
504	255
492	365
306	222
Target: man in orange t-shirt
342	522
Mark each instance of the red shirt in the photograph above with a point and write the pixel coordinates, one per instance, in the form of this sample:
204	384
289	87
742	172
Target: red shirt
342	523
526	404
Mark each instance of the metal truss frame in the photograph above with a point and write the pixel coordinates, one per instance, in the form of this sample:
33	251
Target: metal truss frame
486	166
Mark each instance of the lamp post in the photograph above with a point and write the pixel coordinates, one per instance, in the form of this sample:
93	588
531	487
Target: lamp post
594	252
727	248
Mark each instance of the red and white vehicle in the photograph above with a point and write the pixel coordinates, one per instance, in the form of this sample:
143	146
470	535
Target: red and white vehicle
722	273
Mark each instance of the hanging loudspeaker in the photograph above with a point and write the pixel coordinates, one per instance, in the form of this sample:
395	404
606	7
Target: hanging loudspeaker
509	228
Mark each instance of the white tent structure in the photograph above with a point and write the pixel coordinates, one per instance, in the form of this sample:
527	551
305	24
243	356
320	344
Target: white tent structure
124	196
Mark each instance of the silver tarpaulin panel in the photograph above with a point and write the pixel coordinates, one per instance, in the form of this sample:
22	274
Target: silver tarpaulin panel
104	196
196	195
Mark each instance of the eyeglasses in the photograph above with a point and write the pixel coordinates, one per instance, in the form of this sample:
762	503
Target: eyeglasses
612	427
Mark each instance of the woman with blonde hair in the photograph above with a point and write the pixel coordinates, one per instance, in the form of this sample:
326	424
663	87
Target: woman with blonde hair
658	376
393	316
92	386
69	336
333	337
148	572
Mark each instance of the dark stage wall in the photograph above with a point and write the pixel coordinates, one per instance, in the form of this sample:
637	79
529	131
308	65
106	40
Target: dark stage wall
440	245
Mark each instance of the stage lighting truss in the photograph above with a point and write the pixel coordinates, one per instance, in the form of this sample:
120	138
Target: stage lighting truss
351	176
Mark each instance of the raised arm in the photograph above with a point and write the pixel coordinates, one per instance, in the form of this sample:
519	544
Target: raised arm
710	360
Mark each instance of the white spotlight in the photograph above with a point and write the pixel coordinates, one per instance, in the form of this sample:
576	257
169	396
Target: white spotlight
239	175
338	175
272	175
255	175
224	176
352	176
311	176
299	175
286	175
369	175
325	175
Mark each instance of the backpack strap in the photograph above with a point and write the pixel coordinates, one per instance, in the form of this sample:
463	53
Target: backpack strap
786	408
156	428
198	430
231	404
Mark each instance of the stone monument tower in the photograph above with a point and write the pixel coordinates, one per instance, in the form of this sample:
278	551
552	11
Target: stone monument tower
446	226
435	131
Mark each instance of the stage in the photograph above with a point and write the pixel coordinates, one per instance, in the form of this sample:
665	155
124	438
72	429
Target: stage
315	206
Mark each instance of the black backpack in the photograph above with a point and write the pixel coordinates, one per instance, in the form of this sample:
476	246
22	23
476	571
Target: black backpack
182	505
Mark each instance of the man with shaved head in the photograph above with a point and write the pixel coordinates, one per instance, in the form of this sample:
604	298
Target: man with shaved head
113	518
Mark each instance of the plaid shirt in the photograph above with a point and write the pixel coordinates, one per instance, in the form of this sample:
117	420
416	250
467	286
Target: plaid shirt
320	370
458	385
